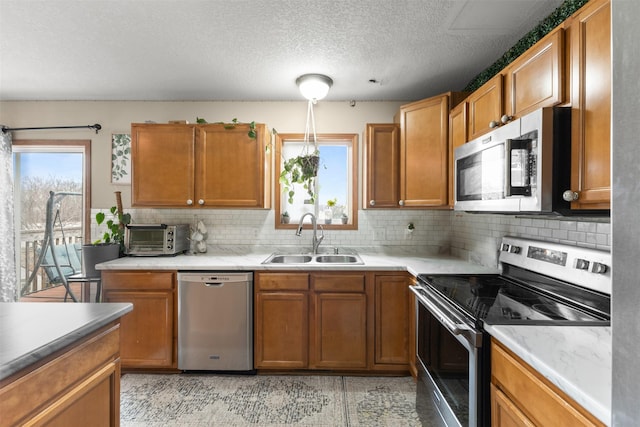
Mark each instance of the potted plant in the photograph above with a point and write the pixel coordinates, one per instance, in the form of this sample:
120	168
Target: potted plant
284	218
109	246
302	169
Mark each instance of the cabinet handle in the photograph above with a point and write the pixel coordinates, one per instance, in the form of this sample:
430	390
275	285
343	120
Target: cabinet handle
570	196
372	202
201	202
401	202
189	202
494	124
506	119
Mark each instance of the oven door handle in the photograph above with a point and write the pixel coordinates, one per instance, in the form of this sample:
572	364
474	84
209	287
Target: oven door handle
450	321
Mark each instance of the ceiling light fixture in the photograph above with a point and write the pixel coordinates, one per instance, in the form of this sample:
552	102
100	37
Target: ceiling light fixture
314	87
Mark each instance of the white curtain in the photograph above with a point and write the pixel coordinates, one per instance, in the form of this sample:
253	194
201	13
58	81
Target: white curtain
7	241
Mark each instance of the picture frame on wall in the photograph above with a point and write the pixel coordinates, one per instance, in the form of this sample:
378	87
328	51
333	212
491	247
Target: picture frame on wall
121	158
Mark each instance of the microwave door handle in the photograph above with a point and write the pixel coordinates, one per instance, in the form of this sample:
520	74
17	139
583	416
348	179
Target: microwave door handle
507	168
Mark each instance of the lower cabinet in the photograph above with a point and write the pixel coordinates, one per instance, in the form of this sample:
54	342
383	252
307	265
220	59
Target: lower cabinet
520	396
80	387
351	321
149	332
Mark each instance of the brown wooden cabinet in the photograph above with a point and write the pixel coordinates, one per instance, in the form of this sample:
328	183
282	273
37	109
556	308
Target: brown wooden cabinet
520	396
338	334
213	165
458	135
79	386
391	313
589	41
381	186
281	334
424	151
149	332
349	321
534	80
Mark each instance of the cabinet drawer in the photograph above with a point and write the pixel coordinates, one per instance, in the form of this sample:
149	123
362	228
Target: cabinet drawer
338	282
282	281
139	280
541	402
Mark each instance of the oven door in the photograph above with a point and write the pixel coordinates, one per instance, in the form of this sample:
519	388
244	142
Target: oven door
449	364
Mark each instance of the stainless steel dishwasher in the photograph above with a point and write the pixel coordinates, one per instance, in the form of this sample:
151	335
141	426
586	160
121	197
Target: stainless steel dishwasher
215	321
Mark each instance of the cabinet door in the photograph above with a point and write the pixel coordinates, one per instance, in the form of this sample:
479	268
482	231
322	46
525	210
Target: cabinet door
504	413
391	320
230	169
162	158
590	44
147	332
382	166
339	331
424	152
486	104
535	79
281	330
458	135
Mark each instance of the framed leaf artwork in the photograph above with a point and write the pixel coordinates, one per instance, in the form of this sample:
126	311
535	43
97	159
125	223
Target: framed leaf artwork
120	158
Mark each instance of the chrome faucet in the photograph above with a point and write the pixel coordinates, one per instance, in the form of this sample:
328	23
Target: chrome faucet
316	240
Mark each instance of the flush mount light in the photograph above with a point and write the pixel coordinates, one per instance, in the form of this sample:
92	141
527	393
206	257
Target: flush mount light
314	86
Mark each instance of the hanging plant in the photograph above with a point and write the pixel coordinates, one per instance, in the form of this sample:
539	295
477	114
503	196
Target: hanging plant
303	169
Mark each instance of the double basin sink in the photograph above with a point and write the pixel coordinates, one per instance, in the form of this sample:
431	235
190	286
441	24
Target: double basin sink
279	258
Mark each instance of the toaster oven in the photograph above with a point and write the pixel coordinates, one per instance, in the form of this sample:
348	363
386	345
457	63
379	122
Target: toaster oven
156	239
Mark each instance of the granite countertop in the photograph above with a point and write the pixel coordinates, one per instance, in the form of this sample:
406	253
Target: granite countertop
237	258
577	359
31	331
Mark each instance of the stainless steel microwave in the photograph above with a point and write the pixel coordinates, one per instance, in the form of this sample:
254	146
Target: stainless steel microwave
523	166
156	239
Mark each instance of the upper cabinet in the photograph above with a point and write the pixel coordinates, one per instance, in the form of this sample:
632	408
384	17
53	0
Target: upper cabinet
589	41
381	187
532	81
458	135
211	166
424	151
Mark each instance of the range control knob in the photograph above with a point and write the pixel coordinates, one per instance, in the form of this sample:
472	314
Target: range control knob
599	268
582	264
505	247
514	249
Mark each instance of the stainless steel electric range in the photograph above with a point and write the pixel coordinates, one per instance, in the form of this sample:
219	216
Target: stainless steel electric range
540	283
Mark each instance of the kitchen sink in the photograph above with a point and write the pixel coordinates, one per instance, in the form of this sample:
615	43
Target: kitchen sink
338	259
279	258
288	259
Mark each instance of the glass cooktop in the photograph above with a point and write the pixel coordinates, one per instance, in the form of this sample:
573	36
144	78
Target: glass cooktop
497	299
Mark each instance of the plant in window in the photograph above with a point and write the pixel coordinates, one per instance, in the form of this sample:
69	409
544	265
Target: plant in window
303	169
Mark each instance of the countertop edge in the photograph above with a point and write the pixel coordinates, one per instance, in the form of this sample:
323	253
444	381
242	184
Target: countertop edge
563	369
105	314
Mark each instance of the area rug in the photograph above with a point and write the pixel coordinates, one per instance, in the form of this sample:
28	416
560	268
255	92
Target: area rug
201	400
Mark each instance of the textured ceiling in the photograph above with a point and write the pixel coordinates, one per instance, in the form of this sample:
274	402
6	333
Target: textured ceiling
252	50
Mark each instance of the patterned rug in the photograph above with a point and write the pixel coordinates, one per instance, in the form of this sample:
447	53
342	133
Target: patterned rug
207	400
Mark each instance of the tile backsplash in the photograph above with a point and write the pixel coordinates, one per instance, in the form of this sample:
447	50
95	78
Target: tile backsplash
474	237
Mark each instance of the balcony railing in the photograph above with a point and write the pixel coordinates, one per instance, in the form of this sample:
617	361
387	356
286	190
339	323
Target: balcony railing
67	249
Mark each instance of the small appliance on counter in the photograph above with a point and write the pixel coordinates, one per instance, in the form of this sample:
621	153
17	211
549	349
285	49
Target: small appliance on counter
156	239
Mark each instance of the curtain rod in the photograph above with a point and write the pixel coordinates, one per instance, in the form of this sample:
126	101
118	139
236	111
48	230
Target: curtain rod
97	127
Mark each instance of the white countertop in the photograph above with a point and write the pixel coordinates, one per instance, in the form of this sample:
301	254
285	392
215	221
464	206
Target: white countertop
577	359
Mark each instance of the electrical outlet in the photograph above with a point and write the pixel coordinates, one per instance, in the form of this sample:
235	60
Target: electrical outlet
379	234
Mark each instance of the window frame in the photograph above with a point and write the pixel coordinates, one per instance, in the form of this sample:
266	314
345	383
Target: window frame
280	140
81	144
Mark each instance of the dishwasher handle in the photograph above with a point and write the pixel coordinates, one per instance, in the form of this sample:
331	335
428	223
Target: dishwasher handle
214	284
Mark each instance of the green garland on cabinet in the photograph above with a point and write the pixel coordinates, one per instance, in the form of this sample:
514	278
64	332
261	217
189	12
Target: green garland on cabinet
564	11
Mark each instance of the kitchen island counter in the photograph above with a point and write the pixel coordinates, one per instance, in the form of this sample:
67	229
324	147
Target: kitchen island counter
576	359
30	332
